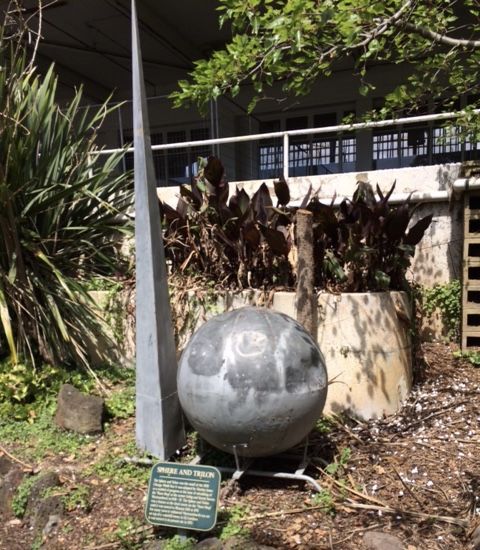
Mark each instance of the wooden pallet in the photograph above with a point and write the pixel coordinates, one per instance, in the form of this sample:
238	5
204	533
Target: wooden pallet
471	273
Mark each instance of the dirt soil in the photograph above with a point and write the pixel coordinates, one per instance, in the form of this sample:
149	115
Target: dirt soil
415	475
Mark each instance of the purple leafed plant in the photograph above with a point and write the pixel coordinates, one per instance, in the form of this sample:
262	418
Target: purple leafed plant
365	244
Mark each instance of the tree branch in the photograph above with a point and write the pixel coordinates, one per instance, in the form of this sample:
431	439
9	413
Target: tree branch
383	26
441	38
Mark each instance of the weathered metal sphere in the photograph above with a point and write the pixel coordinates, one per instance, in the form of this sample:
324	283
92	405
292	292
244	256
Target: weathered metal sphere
253	379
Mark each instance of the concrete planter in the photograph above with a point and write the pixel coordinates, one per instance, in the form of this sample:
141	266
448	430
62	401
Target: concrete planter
366	343
364	338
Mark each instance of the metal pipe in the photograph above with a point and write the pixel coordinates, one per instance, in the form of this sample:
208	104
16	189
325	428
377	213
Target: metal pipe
464	183
286	155
277	475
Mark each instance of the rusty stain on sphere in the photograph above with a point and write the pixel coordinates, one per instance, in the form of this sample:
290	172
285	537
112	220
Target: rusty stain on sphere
252	378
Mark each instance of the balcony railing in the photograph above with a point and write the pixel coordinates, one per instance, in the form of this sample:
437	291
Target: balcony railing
395	143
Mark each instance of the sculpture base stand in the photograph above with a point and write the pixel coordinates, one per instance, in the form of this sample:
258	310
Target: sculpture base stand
244	467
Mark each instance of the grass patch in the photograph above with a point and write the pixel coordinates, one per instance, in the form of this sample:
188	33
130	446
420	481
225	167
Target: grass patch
40	436
121	404
111	467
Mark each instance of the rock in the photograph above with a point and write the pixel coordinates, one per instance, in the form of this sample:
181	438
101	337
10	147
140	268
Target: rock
46	508
377	540
476	538
37	491
212	543
52	525
5	465
79	412
9	482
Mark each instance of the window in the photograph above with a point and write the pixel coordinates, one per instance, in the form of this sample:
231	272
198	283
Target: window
333	152
300	148
309	154
270	151
174	166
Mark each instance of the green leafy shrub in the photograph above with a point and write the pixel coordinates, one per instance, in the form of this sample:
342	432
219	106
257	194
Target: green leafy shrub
473	357
447	298
364	245
22	494
26	390
62	212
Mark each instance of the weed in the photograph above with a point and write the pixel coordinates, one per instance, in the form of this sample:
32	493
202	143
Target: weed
325	499
473	357
234	526
179	543
78	499
22	494
325	425
127	533
337	467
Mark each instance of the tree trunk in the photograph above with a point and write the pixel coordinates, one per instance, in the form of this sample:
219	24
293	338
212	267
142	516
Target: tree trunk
306	298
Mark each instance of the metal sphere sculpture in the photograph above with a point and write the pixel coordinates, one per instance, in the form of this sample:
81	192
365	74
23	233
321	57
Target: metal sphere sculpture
252	381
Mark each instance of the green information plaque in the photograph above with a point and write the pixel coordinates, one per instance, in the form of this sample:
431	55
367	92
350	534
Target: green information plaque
183	496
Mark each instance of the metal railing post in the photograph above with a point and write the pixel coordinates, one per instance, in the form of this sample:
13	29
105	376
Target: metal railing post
286	155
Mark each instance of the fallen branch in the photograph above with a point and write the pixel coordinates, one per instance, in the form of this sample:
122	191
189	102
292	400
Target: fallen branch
276	514
350	490
407	488
381	506
15	459
464	523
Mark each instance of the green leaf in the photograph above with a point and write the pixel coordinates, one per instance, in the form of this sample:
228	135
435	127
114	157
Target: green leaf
7	326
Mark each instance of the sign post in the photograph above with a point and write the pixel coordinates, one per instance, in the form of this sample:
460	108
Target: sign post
183	496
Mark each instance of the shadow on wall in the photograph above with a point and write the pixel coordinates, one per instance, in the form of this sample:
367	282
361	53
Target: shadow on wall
366	343
364	338
438	258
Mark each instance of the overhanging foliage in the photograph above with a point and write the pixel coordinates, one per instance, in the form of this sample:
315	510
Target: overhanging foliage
298	41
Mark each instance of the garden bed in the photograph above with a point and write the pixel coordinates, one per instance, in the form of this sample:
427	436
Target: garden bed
415	475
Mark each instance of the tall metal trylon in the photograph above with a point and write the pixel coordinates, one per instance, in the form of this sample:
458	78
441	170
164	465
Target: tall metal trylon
159	424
